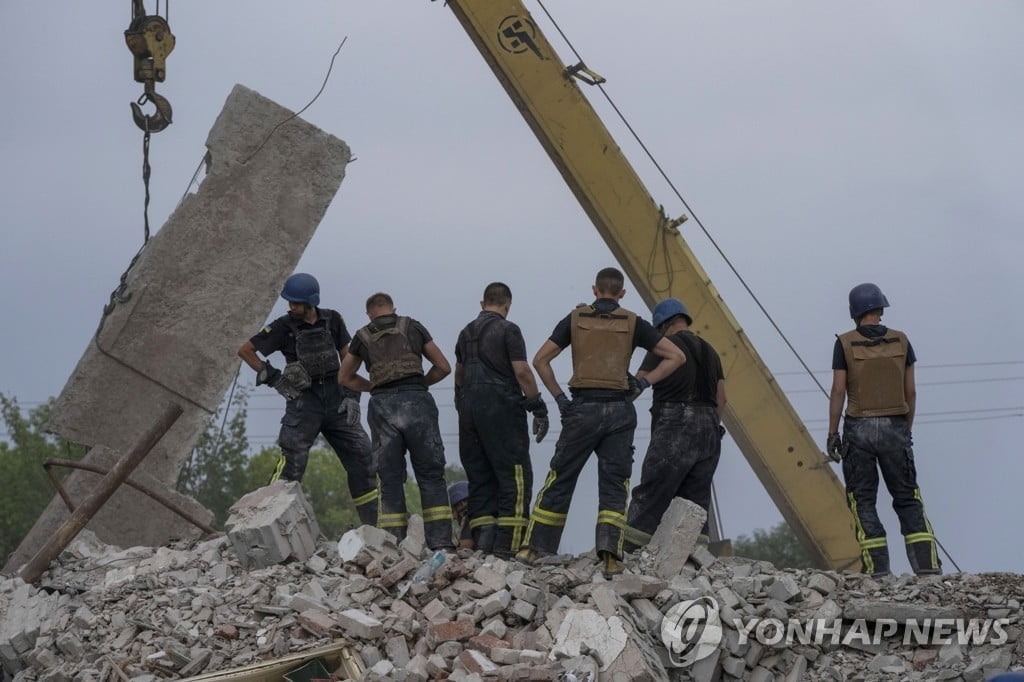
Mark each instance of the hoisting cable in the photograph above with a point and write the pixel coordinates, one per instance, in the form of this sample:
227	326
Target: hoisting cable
679	195
700	224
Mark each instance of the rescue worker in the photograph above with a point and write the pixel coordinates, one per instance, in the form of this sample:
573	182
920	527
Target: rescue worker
458	496
494	389
686	433
402	416
600	417
873	374
311	339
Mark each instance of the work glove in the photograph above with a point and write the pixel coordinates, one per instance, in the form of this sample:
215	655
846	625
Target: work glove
458	397
721	432
637	386
268	375
834	447
273	377
564	403
539	410
349	410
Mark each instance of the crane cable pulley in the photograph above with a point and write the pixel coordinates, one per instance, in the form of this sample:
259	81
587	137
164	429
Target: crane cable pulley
150	40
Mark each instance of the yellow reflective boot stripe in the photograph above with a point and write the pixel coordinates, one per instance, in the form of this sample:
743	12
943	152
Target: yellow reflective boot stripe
548	518
437	513
548	481
483	521
918	537
928	525
624	527
519	508
365	499
278	470
873	543
392	520
865	555
613	518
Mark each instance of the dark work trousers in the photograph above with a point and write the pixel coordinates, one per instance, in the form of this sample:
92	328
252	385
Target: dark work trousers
680	462
314	412
588	426
494	446
405	420
884	443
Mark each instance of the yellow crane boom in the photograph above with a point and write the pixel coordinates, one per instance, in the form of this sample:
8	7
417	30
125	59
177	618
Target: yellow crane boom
759	417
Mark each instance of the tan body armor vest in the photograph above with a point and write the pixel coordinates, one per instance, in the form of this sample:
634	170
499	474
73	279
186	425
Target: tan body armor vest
602	344
875	371
390	354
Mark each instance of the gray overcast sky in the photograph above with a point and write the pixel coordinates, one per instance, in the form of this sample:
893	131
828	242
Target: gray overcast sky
823	144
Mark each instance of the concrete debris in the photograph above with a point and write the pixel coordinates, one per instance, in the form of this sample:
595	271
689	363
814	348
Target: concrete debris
676	537
236	239
272	524
104	614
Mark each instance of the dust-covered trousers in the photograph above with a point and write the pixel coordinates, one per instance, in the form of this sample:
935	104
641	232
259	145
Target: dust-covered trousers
884	443
680	462
494	446
315	411
602	426
405	420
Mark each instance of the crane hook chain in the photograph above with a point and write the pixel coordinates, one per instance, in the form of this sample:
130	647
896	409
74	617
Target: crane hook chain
150	40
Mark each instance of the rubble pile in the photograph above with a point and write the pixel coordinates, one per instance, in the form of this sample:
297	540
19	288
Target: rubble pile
143	614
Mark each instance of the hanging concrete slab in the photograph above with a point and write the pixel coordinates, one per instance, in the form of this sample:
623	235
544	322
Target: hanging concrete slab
201	286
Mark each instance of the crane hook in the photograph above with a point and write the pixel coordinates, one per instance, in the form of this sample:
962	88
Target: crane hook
159	119
150	40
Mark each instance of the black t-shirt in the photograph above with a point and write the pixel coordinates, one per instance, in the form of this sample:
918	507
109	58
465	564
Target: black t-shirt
644	335
499	345
418	337
870	331
280	336
696	381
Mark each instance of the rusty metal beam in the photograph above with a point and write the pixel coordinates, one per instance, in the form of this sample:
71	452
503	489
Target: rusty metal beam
51	463
35	568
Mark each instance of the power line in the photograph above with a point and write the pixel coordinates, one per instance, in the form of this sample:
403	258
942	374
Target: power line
931	383
679	195
919	366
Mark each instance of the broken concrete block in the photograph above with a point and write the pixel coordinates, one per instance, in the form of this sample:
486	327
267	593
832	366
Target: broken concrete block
476	662
398	651
415	542
822	584
158	346
638	586
702	556
734	666
523	609
676	537
580	628
784	589
495	603
899	611
360	624
454	631
364	544
316	622
272	524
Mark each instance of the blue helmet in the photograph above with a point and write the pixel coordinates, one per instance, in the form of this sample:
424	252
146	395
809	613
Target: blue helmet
301	288
1008	677
865	297
458	491
669	308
